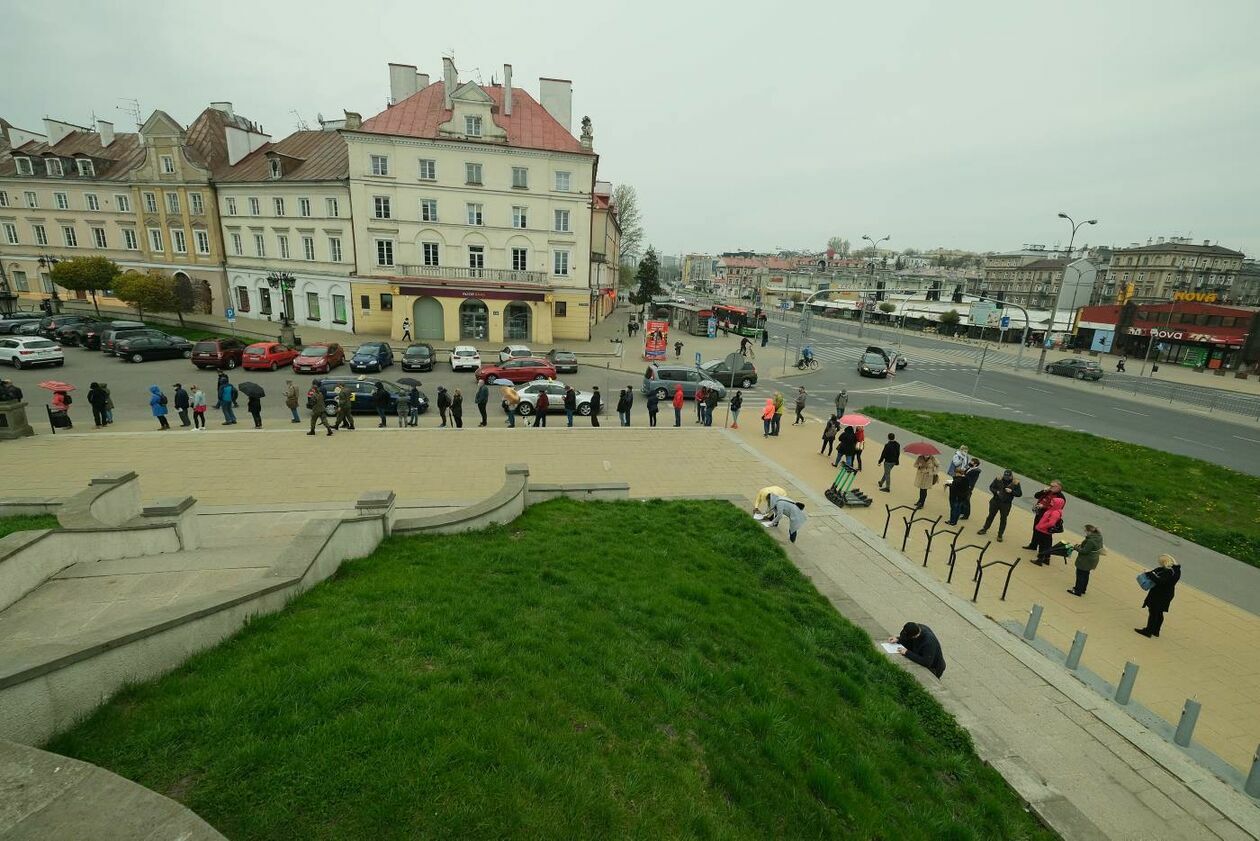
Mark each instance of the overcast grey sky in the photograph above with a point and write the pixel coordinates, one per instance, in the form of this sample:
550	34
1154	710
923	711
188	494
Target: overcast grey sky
751	125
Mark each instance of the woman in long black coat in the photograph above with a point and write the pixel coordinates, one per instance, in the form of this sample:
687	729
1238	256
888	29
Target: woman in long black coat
1159	597
846	447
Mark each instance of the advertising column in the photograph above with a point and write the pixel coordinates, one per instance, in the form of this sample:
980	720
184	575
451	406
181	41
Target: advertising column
655	341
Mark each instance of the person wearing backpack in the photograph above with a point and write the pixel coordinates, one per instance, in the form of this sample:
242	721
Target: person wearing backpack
318	408
61	401
157	405
227	397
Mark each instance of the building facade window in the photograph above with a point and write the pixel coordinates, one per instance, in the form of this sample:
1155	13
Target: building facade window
339	309
273	166
520	259
230	204
282	240
155	240
41	235
24	166
472	174
168	165
428	170
19	280
238	247
380	165
92	202
130	241
312	306
242	298
474	214
172	203
69	237
179	241
331	206
278	204
562	220
520	217
203	241
98	238
11	233
429	253
384	252
4	199
334	249
520	178
387	301
264	301
32	200
308	248
562	182
260	246
562	309
380	207
365	303
86	168
255	206
476	259
472	126
54	167
304	207
196	204
428	210
62	201
150	203
560	263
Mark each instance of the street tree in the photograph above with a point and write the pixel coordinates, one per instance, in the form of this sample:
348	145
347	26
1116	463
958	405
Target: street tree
949	321
840	245
86	274
648	278
887	307
626	202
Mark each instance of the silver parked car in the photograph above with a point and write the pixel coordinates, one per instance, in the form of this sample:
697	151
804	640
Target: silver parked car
555	398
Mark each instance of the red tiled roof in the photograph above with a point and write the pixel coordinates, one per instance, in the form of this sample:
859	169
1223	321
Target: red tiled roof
528	127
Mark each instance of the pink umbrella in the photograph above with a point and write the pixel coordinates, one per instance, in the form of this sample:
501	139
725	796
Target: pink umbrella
56	385
855	420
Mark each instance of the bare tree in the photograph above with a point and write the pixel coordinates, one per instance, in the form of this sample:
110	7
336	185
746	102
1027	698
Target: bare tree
626	202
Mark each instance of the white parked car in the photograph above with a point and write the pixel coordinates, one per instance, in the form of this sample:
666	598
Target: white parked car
29	351
555	398
465	358
514	352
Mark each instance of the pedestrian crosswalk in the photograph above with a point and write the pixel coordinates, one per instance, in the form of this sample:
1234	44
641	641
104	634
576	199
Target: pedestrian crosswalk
921	391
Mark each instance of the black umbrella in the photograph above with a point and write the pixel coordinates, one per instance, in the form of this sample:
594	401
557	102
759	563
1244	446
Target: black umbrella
252	389
408	381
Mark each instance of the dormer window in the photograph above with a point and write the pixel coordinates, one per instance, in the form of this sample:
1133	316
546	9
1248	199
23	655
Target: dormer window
168	165
472	126
86	168
24	166
54	166
276	170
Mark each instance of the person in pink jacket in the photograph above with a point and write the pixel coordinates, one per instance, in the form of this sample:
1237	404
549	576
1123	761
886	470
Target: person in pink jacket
678	404
767	417
1044	529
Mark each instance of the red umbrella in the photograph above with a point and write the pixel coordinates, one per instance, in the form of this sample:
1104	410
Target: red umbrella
921	448
855	420
56	385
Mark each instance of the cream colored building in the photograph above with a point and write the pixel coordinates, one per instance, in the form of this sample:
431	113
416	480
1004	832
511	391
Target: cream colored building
1158	269
143	199
472	211
605	252
285	212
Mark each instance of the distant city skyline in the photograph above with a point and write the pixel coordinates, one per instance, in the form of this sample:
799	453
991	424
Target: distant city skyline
945	125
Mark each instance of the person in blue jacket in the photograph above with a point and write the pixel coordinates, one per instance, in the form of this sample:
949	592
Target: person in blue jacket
157	405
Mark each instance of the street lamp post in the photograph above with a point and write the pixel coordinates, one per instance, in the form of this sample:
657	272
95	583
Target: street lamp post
284	282
874	248
1041	358
46	262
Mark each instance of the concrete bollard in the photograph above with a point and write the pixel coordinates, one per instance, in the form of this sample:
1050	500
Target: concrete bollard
1185	727
1125	690
1078	648
1252	786
1034	619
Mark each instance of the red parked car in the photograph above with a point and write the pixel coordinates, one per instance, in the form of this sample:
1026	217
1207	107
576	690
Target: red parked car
218	353
267	356
519	370
319	358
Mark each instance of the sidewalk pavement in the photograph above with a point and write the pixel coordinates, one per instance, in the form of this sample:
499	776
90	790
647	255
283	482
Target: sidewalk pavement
1206	650
1063	748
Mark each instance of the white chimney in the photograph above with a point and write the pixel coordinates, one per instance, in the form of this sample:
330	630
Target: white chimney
450	78
402	81
507	90
225	107
241	142
354	120
57	130
422	81
106	130
556	95
1207	242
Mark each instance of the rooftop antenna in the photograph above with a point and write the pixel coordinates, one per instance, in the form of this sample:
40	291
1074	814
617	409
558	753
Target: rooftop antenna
132	107
300	123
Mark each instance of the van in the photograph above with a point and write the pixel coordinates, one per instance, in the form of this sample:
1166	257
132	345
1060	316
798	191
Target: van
662	379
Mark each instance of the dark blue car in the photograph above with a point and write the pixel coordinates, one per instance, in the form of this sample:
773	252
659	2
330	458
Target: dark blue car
372	356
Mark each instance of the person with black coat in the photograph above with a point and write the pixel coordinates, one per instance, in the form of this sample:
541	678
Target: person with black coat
889	457
653	406
829	436
597	403
959	491
253	405
570	404
97	399
1159	597
457	409
1002	493
972	475
481	398
625	399
737	403
541	406
181	405
846	447
380	402
920	645
444	403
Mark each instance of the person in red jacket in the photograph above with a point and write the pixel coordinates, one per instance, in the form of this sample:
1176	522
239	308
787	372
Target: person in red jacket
678	404
1045	529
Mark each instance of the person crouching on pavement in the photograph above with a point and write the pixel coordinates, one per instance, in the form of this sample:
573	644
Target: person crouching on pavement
761	506
920	645
781	507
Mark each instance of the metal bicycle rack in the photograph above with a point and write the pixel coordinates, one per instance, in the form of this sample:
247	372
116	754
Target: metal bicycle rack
888	512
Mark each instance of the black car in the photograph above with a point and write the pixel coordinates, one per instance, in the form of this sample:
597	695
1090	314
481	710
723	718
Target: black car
1081	369
90	334
364	388
890	356
12	320
372	356
873	365
145	348
564	361
745	377
113	334
72	334
417	357
50	324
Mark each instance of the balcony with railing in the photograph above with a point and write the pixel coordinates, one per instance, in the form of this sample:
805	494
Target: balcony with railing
459	273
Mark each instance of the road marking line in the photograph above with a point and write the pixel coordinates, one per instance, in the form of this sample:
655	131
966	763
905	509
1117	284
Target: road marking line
1073	411
1042	390
1245	438
1200	443
1143	414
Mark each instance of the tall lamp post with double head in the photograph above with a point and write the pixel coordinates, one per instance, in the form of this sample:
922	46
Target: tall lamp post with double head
1041	358
54	305
874	249
284	282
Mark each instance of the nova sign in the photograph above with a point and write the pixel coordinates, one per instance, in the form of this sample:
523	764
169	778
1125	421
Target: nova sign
1175	335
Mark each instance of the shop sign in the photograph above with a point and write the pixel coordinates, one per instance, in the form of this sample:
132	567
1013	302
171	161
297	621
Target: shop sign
1181	335
488	294
1201	297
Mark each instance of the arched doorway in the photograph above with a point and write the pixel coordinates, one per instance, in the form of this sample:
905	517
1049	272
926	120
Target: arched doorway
517	322
427	319
474	320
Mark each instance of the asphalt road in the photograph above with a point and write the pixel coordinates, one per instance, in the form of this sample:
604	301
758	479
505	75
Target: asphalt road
945	379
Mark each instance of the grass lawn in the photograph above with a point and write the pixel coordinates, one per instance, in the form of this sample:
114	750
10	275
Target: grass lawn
27	522
1206	504
557	679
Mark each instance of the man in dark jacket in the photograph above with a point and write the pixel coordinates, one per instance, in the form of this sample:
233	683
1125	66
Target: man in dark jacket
481	398
315	403
345	407
890	457
597	403
958	493
624	401
97	399
541	407
181	405
710	403
570	404
653	406
444	403
972	474
919	645
1002	493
